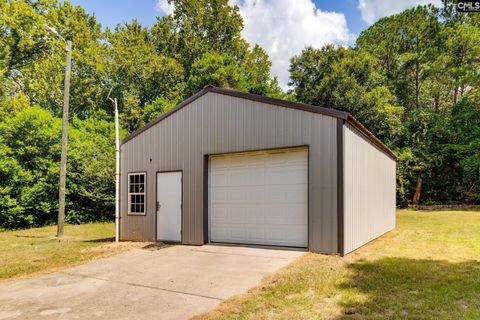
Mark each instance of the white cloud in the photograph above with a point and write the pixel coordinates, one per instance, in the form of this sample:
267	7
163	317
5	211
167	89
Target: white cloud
164	7
372	10
284	27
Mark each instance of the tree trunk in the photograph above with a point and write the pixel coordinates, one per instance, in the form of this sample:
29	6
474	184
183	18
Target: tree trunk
418	191
417	84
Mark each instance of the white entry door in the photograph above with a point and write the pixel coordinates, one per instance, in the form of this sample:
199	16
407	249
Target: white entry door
260	198
169	206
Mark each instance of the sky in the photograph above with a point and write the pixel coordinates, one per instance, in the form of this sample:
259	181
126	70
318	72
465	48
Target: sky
282	27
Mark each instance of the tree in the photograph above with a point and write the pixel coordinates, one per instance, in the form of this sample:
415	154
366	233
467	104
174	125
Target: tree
405	44
383	41
141	75
215	69
38	64
348	80
462	49
199	30
256	71
29	156
463	145
21	39
92	171
203	26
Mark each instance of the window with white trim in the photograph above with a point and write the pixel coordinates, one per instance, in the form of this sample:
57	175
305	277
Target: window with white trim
136	193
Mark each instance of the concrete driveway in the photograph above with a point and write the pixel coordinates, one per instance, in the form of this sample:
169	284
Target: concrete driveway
171	283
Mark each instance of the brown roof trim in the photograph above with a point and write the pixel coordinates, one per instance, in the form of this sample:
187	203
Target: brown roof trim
357	125
273	101
282	103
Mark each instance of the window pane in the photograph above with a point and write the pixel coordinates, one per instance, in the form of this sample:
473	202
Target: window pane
137	185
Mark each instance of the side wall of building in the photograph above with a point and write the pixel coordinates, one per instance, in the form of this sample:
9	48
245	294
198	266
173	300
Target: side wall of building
369	190
216	123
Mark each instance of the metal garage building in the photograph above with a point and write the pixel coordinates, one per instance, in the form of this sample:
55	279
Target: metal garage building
232	167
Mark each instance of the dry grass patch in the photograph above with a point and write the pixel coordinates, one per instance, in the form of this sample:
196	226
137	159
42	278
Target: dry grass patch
32	251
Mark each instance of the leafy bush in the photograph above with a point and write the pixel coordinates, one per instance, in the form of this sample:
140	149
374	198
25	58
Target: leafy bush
30	145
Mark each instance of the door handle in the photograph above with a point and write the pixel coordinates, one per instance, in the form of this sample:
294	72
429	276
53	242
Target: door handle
158	206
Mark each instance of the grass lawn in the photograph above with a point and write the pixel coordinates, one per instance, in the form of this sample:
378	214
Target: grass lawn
427	268
30	251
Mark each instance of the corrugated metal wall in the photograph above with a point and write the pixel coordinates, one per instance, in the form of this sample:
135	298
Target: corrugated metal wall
369	190
216	123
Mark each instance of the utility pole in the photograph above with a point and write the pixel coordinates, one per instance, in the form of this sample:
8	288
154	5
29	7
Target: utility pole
63	157
117	170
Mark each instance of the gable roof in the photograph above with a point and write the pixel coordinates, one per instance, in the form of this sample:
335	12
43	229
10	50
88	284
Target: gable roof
273	101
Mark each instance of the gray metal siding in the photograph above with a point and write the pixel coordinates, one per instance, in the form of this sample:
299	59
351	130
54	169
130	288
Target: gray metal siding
369	190
216	123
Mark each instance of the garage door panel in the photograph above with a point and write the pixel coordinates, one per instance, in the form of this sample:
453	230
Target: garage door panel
256	234
260	198
219	179
294	175
219	195
251	215
252	234
273	214
219	213
293	215
296	236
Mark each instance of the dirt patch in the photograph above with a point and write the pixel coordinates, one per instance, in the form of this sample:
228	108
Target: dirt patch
114	246
154	246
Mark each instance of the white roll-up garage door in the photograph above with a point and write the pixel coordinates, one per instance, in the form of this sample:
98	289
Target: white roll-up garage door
259	198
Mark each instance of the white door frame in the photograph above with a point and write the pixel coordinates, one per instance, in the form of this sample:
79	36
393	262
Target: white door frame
157	174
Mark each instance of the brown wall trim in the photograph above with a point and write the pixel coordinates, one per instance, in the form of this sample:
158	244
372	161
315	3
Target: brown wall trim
340	189
278	102
205	199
